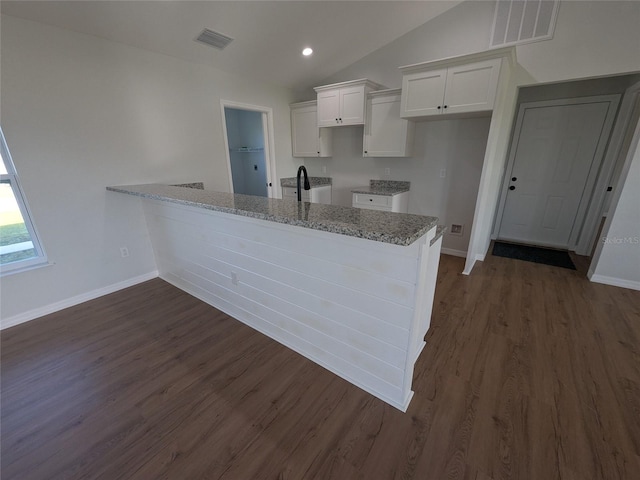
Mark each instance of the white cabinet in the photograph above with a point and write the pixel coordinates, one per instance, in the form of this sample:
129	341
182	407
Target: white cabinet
385	133
455	89
343	103
307	139
386	203
319	194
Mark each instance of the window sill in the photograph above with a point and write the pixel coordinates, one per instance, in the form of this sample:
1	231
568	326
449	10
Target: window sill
4	272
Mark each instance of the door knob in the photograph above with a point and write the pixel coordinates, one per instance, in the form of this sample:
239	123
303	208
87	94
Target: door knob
512	187
513	179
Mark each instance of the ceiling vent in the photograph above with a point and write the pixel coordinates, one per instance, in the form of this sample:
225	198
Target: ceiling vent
214	39
523	21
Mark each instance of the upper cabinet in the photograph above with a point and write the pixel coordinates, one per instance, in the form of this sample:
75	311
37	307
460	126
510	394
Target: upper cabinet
461	88
307	139
343	103
385	133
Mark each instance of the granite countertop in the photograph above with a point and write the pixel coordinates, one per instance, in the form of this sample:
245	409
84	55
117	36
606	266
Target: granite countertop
313	181
383	187
387	227
440	231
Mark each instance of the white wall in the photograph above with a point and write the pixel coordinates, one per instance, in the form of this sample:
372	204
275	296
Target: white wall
592	38
457	146
617	257
80	113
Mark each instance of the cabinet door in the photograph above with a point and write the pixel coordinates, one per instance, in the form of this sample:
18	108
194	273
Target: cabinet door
423	93
328	108
307	140
291	193
386	134
352	105
472	87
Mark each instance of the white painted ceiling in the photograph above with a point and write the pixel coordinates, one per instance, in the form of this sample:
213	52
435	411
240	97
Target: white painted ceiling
268	35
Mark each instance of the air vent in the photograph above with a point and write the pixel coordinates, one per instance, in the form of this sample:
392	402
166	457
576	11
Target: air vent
214	39
523	21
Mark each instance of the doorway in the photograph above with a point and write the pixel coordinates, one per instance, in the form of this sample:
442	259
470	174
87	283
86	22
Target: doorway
555	156
248	140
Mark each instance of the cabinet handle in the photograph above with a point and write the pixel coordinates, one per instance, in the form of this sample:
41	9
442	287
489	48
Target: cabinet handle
439	107
340	120
512	187
446	106
336	120
371	199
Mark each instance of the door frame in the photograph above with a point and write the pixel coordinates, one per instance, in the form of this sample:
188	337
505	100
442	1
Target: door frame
584	216
269	142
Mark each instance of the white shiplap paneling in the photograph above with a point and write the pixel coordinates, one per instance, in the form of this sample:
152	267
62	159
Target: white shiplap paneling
351	305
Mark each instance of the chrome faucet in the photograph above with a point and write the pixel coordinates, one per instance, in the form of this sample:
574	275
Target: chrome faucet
307	186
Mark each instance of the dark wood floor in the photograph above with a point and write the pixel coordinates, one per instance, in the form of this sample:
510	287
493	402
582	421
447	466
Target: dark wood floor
530	372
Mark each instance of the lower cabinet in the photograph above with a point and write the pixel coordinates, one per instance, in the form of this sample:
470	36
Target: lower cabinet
321	194
386	203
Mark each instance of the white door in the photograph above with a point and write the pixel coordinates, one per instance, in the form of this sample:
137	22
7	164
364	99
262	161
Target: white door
304	132
472	87
328	108
555	152
352	105
423	93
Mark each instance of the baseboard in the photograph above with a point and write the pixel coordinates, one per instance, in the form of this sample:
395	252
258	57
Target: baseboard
615	282
454	253
469	265
70	302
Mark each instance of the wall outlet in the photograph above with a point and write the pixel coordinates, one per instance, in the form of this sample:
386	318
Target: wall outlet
456	229
443	172
387	171
234	278
324	169
124	252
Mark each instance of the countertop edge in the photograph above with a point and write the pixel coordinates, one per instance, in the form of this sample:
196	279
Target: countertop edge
328	226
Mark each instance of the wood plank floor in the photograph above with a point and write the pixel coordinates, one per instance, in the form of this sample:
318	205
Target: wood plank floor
530	372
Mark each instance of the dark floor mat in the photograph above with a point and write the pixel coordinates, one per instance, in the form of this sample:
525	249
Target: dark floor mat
556	258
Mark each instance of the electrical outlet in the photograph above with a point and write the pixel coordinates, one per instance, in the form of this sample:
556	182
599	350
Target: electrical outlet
324	169
234	278
456	229
443	172
387	171
124	252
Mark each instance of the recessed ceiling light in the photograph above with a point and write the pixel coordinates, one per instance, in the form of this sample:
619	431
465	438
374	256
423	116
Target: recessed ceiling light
307	51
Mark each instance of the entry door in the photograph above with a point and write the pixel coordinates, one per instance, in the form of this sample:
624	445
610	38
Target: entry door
556	150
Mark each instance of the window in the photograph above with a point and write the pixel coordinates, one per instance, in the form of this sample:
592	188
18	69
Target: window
20	248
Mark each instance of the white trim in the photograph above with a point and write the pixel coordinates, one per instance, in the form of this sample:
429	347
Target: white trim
14	182
506	52
269	140
471	261
617	193
583	215
70	302
615	282
612	157
455	253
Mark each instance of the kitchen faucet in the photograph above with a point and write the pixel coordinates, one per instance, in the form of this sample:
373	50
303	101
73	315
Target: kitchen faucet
307	186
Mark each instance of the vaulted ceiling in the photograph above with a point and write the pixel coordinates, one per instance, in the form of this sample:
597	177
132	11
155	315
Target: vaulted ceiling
268	35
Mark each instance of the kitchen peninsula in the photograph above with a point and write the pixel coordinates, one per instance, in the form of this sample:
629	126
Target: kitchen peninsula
350	289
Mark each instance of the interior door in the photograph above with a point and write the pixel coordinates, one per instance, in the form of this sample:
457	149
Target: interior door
555	152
